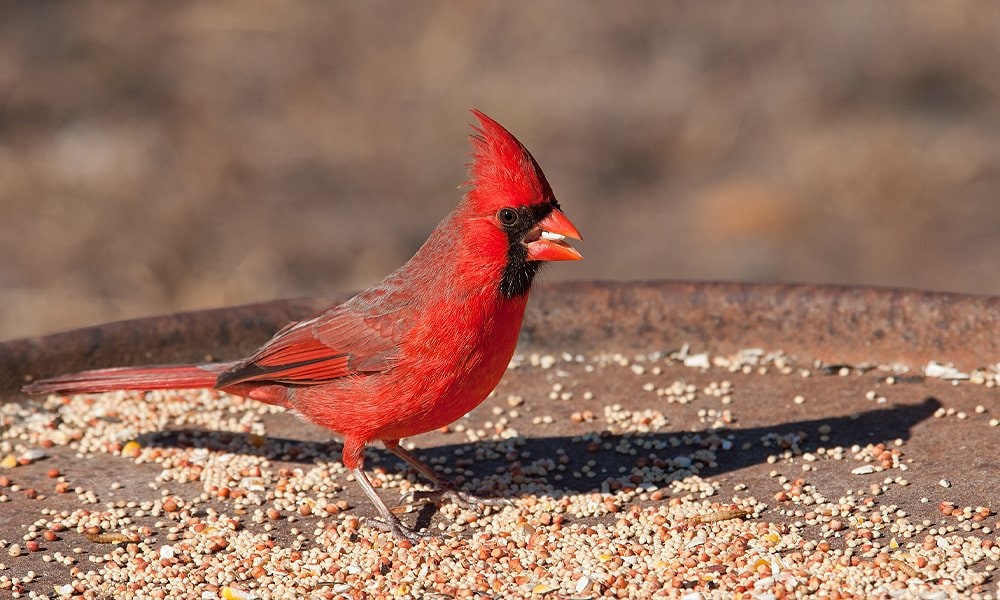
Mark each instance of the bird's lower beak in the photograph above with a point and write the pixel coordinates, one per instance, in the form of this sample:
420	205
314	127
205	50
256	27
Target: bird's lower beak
547	240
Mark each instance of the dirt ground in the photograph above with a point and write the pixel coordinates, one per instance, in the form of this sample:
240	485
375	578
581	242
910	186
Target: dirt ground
166	156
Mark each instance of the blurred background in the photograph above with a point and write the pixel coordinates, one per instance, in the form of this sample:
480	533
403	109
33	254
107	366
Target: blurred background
158	157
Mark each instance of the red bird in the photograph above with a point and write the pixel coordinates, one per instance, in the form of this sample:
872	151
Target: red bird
417	350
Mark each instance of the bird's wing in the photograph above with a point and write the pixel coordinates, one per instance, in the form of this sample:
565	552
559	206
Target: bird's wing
337	343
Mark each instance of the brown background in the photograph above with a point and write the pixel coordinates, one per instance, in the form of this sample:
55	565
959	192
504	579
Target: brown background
167	156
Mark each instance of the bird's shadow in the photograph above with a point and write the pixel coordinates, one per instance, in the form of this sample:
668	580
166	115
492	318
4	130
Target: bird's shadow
729	450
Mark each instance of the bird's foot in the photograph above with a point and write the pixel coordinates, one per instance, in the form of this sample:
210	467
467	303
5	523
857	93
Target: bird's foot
400	531
472	502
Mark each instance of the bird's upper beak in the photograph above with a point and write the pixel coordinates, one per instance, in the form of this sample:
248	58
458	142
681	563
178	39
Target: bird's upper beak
547	240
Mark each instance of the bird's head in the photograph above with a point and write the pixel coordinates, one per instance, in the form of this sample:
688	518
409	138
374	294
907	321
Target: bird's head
509	192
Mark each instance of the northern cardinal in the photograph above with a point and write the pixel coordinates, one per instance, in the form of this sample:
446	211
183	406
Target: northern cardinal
415	351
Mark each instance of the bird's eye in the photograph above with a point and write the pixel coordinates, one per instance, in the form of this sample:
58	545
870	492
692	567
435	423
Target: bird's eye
508	217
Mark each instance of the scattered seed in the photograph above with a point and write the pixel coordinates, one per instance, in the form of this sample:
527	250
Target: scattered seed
719	515
236	512
905	568
106	538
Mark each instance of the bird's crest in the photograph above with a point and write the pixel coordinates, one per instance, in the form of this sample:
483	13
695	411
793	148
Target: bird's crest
502	169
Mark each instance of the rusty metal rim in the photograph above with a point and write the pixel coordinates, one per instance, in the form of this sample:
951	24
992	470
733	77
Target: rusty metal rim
834	324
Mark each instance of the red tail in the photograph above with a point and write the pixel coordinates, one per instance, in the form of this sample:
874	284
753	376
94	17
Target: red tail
158	377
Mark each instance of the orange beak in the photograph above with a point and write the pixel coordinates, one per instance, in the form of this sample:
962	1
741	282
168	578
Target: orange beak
547	240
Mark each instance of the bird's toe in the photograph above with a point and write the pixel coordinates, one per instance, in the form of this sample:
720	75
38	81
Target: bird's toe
472	502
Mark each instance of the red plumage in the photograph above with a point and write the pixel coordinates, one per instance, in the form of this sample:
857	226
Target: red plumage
415	351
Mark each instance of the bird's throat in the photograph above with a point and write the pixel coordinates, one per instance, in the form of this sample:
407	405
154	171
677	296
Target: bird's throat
519	272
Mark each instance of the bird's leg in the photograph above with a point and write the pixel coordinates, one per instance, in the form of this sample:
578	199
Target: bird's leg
389	522
464	499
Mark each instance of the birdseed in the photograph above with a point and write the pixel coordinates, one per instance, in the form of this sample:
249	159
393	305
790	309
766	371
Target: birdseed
615	486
